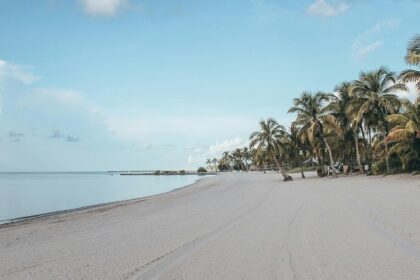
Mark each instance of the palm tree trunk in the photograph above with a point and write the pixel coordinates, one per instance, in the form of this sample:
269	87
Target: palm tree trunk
357	151
323	161
301	171
331	158
365	154
370	149
386	131
386	158
284	174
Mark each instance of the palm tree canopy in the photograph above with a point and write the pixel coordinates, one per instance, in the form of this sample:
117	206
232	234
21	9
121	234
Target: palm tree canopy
268	137
413	51
412	58
340	102
407	124
411	76
376	90
309	105
312	113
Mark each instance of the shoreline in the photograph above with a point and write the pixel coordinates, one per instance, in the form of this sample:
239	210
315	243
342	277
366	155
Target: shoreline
231	226
120	203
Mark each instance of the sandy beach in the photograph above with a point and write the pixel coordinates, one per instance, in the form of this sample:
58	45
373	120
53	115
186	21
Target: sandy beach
231	226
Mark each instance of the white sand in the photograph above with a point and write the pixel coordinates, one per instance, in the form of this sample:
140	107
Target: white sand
233	226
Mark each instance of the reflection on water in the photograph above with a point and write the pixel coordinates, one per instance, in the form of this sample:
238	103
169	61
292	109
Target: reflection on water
26	194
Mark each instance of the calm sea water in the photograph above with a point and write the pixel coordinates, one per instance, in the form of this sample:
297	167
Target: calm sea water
27	194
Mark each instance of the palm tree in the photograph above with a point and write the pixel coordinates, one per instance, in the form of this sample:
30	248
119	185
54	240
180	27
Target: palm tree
411	76
376	91
224	161
312	114
342	108
209	162
247	156
238	157
296	148
215	162
406	133
260	158
412	58
413	51
268	139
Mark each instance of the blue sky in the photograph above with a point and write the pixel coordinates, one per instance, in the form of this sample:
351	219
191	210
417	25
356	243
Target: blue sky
141	84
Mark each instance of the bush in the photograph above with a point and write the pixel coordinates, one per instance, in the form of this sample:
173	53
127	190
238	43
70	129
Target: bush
223	167
395	165
379	167
202	170
413	165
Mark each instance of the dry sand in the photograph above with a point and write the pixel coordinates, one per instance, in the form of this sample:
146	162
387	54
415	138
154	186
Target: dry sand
233	226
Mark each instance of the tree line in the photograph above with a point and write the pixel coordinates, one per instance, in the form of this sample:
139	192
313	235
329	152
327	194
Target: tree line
362	126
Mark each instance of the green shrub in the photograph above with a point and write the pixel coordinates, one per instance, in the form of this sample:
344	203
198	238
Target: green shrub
223	167
395	166
379	167
202	170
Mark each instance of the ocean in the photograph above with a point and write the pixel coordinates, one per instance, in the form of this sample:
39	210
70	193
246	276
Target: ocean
29	193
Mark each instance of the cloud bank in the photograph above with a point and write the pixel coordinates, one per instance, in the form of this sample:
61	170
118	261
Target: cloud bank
199	155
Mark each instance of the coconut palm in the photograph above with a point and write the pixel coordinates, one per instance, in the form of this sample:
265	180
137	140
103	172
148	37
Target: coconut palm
412	58
296	148
312	115
247	156
376	91
406	133
215	163
411	76
209	162
260	158
268	139
363	120
413	51
239	158
224	162
342	107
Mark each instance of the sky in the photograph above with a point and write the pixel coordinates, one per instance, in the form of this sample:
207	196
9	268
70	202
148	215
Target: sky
165	84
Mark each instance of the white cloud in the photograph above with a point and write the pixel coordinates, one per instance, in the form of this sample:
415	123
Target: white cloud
322	8
368	41
17	72
65	97
141	127
227	145
199	155
104	8
362	51
378	27
20	73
